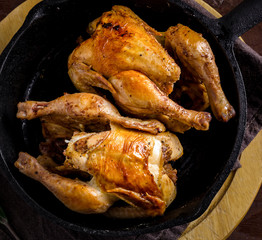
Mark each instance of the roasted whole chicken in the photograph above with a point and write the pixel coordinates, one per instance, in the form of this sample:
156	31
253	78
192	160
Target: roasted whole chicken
124	164
124	47
196	56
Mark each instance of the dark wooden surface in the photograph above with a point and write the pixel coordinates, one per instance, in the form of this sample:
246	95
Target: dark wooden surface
251	226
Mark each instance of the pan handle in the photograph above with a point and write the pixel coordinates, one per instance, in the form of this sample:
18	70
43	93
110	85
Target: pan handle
242	18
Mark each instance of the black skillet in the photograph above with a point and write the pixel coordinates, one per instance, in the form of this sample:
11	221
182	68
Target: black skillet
33	66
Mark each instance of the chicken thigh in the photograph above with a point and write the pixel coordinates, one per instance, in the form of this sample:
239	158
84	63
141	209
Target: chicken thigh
194	52
77	112
135	93
121	41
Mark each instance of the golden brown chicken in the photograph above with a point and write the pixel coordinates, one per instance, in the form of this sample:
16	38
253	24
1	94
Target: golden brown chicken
121	41
194	52
78	112
135	93
125	164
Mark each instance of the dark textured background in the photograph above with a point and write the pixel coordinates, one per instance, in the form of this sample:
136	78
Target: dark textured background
251	226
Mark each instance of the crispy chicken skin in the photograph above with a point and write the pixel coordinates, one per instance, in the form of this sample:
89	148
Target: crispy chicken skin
128	164
194	52
75	112
78	196
135	93
121	41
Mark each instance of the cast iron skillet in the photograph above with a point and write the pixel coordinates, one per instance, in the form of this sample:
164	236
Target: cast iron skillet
33	66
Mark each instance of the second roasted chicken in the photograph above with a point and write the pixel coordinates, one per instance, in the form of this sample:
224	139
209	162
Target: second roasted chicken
125	164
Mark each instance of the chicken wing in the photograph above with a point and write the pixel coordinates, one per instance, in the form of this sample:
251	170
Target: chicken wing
129	164
195	54
121	41
79	111
137	94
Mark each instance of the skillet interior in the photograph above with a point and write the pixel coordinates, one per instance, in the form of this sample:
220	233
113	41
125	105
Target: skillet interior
34	67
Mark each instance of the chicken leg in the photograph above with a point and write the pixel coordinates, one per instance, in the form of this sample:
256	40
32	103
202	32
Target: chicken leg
194	52
75	112
78	196
137	94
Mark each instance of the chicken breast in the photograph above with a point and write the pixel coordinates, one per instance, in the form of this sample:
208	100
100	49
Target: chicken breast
128	164
121	41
